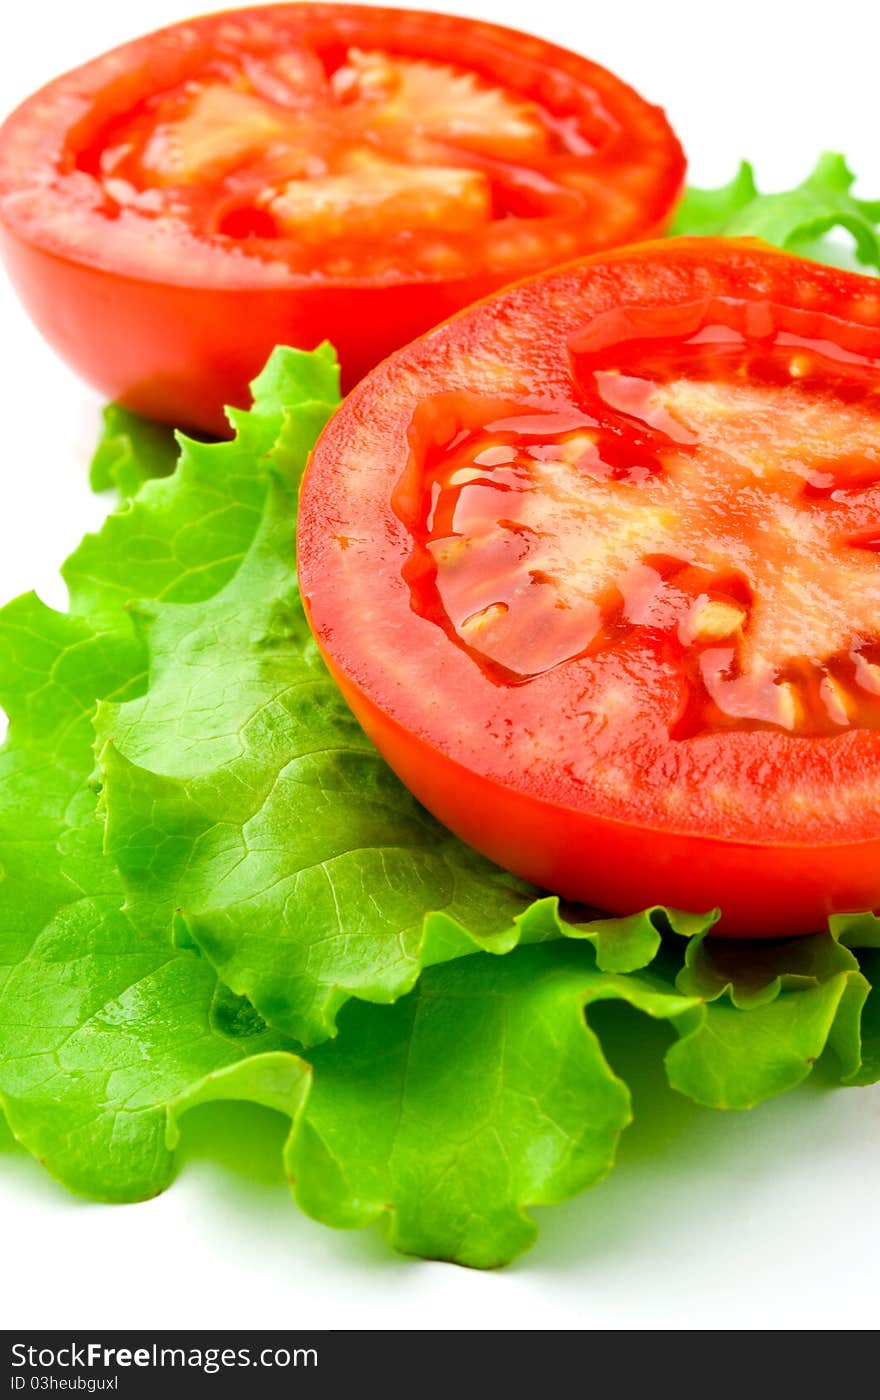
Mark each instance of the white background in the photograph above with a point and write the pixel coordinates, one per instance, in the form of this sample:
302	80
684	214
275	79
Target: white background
763	1220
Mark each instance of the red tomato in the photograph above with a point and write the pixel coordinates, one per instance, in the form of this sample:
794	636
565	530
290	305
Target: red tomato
293	173
595	564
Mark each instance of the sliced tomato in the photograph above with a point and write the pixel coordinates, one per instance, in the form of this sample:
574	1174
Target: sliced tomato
596	566
292	173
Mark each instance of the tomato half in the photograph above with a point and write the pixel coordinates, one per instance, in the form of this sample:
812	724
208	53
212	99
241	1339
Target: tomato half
596	566
293	173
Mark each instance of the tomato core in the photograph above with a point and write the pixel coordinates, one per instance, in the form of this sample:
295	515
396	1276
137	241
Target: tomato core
660	511
359	160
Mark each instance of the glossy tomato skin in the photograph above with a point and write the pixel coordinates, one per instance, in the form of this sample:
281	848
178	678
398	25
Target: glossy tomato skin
173	325
762	890
779	831
180	353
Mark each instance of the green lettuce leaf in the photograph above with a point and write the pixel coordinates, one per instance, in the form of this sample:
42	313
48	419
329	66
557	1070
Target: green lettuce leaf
132	450
770	1009
244	803
798	219
480	1095
707	212
102	1026
868	1071
485	1092
244	806
243	800
243	811
184	537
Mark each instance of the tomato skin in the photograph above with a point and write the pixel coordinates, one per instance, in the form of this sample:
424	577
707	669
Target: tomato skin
179	354
803	841
763	891
175	326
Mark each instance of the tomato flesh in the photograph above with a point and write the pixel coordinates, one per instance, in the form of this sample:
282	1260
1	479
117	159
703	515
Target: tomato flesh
664	504
629	567
301	172
347	165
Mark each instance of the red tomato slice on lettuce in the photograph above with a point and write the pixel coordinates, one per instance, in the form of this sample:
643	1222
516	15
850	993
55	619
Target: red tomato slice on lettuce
293	173
596	566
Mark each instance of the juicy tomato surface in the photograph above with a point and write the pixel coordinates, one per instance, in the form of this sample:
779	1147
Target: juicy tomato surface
596	566
293	173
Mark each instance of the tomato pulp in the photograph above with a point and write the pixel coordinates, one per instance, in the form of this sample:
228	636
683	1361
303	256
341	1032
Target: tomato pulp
596	566
293	173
